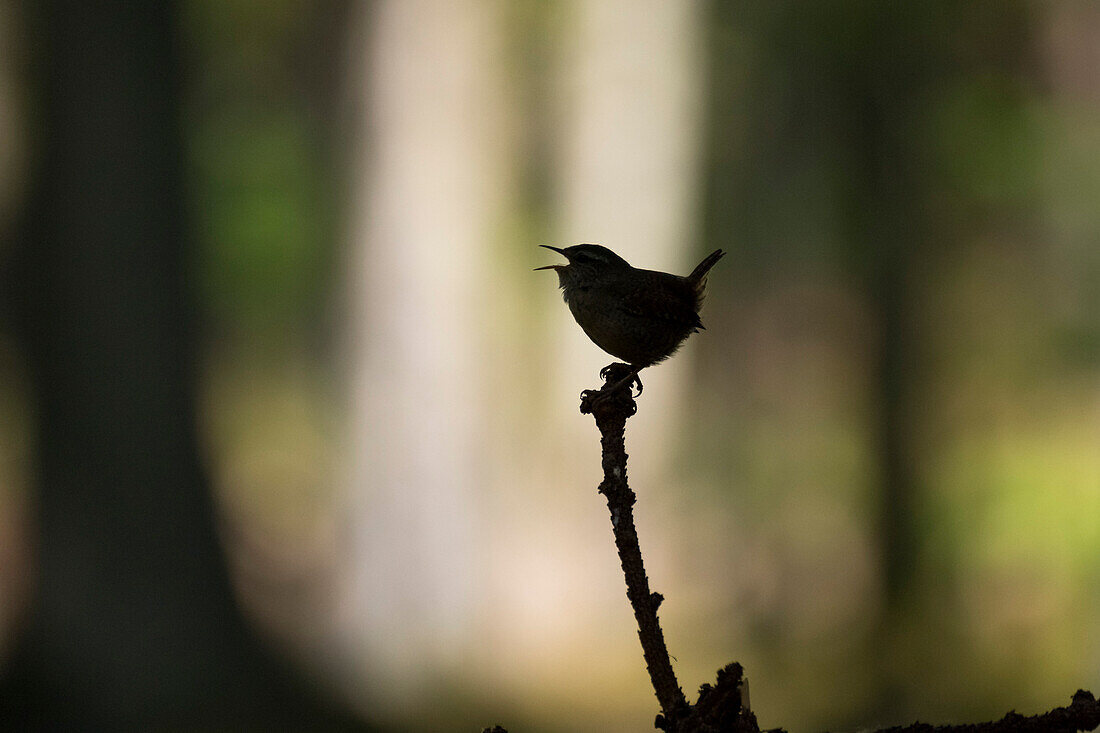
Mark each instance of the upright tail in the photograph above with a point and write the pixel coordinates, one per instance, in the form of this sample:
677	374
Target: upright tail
698	276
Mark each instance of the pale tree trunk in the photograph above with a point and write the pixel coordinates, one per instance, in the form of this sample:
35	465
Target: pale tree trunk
424	198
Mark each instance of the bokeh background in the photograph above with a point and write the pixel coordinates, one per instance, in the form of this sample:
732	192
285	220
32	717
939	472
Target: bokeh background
288	425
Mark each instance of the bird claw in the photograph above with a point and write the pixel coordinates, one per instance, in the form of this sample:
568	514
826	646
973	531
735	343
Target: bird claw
612	371
615	376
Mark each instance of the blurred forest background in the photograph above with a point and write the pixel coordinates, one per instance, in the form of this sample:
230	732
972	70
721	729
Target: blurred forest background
288	425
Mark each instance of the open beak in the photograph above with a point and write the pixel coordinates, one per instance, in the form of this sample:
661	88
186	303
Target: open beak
552	267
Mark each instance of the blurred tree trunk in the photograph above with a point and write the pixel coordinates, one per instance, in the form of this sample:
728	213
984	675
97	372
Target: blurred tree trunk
427	190
906	61
909	63
133	624
821	171
889	235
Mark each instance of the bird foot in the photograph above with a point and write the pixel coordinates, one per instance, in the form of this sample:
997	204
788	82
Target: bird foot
621	375
616	377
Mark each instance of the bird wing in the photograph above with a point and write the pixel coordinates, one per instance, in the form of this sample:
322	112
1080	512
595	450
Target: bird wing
663	304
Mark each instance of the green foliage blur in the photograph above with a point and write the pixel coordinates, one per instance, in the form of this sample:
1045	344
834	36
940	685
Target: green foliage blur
262	120
261	112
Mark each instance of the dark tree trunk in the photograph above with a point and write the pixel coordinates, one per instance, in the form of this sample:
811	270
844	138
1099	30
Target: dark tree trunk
889	71
133	623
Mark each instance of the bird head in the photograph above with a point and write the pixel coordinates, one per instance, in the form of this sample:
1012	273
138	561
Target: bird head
586	262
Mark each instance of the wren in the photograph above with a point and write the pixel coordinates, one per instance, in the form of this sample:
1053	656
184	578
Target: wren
639	316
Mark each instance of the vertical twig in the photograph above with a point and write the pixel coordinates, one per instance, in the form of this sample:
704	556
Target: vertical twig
611	406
